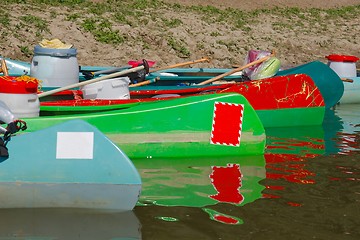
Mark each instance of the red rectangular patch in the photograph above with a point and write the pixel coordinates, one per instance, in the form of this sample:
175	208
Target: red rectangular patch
227	124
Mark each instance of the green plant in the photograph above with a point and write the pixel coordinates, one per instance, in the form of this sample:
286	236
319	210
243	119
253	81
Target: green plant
102	31
34	21
179	47
25	51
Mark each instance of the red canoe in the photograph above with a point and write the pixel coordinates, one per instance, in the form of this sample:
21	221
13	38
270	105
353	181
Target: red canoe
292	100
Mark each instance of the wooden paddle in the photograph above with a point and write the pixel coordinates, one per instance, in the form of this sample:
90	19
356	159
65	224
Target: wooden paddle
113	75
181	64
347	80
117	74
144	82
236	69
91	74
4	67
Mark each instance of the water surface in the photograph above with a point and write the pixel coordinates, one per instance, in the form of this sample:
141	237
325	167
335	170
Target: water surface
306	186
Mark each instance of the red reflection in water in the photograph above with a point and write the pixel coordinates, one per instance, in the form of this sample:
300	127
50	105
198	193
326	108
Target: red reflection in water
225	219
313	143
293	204
266	195
346	171
289	169
275	187
227	181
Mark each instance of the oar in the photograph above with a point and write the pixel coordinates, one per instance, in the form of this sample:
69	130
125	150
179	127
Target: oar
236	70
113	75
127	71
347	80
144	82
91	74
181	64
4	67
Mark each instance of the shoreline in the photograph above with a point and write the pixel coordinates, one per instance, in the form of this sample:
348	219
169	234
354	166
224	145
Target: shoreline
112	35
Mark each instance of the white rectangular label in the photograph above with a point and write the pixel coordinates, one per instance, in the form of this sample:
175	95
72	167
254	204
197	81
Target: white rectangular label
75	145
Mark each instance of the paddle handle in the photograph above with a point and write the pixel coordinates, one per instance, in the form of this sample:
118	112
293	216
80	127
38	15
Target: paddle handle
347	80
180	64
236	70
113	75
4	67
144	82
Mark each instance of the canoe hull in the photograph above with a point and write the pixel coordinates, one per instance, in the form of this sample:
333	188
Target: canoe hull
312	116
328	82
351	92
179	127
69	195
278	101
70	165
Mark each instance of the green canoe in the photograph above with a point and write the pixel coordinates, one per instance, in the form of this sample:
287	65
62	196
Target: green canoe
204	125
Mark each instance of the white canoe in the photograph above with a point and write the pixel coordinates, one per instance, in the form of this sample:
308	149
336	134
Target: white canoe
351	91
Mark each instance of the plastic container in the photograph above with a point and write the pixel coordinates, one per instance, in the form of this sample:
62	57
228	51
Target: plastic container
115	88
55	67
344	66
20	97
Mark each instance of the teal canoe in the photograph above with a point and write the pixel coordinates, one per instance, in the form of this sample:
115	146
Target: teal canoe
67	165
330	84
203	125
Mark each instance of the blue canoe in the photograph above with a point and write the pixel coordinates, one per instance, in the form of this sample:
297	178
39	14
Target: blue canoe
70	165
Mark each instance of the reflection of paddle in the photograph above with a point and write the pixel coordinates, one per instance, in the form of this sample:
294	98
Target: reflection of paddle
113	75
236	70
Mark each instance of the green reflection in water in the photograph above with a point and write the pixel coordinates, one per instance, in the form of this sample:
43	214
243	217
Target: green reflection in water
190	182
